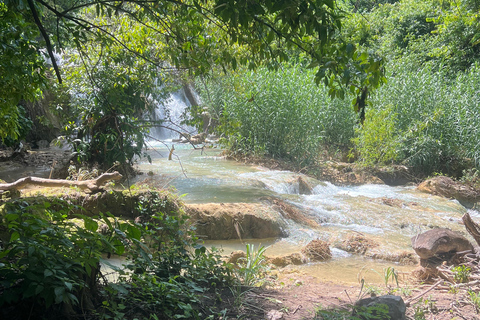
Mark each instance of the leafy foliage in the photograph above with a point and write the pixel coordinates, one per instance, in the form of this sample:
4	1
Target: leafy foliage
250	270
430	116
191	35
49	260
111	91
51	263
376	141
22	69
444	33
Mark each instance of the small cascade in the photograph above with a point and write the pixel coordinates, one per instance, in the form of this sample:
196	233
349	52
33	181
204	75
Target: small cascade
387	216
171	111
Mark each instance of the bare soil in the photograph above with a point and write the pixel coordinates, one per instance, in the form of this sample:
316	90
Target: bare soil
296	296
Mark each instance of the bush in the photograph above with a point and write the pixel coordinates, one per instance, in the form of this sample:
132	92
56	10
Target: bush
50	264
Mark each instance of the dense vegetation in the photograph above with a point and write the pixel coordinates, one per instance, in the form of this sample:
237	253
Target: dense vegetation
425	117
286	79
52	252
119	58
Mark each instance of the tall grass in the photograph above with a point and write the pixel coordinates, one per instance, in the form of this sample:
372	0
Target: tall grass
421	118
436	120
282	114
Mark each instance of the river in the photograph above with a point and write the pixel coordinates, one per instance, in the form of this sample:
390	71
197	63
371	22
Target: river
388	215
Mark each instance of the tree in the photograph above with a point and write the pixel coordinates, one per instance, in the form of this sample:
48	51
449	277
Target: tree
21	69
196	35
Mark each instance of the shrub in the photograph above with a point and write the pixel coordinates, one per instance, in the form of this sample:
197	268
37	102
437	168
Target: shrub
50	264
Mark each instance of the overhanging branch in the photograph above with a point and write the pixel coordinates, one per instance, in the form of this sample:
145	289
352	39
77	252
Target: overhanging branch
46	37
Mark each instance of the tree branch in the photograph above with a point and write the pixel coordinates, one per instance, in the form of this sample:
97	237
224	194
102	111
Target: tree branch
46	37
93	185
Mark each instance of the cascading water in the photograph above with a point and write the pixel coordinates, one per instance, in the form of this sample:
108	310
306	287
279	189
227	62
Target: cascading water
388	215
171	111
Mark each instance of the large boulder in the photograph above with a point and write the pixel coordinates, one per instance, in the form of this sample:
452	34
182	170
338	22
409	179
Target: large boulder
291	212
395	305
439	244
447	187
223	221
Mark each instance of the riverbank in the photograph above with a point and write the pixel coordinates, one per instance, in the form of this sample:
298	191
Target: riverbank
293	287
340	172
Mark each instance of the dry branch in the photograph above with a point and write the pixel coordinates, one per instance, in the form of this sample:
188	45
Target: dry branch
92	185
418	296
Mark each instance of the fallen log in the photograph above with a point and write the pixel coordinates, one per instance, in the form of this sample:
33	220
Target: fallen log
92	185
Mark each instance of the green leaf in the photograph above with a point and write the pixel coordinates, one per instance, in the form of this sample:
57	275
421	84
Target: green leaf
119	288
59	292
15	236
68	285
11	216
38	289
134	232
90	224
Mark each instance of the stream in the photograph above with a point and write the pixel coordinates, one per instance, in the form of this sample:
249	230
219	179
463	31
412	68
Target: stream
388	215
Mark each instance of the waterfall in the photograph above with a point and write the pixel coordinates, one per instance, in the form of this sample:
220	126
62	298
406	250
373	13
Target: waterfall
171	111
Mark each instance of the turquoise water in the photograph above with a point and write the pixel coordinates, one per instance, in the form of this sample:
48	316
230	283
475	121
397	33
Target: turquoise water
389	215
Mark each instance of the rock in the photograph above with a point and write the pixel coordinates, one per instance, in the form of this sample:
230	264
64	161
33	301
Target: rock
357	243
43	144
394	175
395	304
447	187
235	256
283	261
274	315
219	221
304	187
317	250
402	257
290	211
440	244
198	138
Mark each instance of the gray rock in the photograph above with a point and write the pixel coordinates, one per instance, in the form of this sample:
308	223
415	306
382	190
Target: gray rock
274	315
440	243
304	187
394	304
43	144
